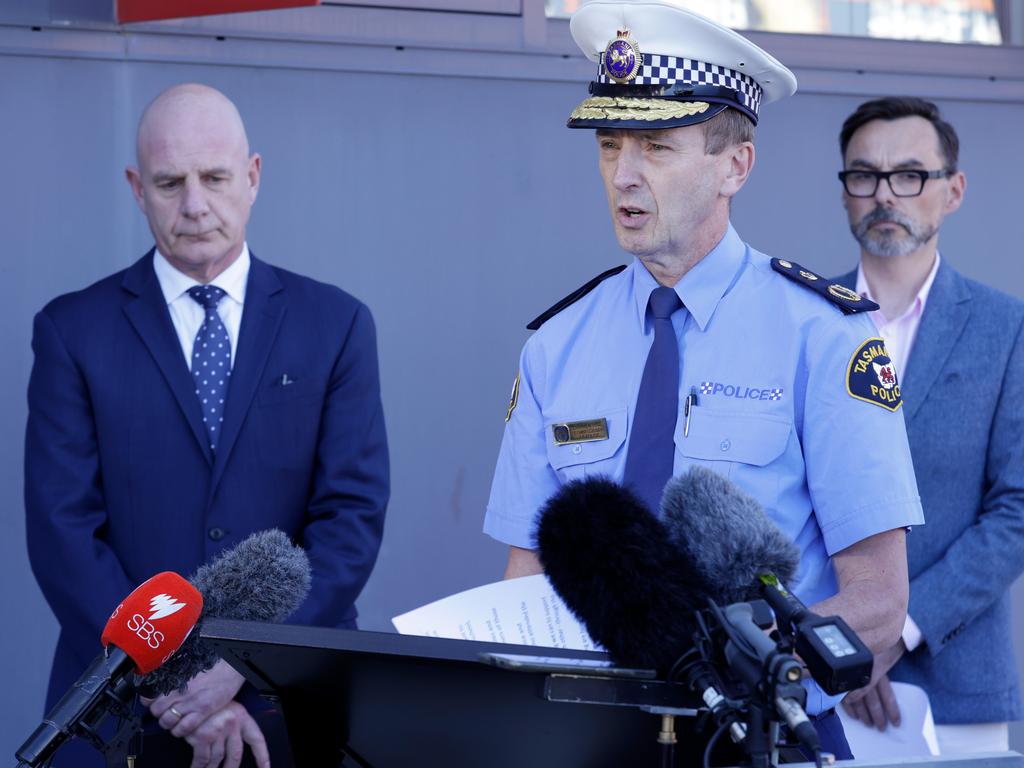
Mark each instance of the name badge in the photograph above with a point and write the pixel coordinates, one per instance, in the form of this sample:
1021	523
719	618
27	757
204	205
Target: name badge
580	431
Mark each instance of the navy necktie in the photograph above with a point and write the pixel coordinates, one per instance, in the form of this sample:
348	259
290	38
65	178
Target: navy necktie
211	360
651	451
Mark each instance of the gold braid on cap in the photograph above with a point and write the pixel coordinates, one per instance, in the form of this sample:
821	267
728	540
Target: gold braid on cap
616	108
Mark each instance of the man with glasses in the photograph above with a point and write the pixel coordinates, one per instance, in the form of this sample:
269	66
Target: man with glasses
959	349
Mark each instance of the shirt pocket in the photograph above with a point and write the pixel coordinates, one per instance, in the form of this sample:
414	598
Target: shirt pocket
573	461
746	448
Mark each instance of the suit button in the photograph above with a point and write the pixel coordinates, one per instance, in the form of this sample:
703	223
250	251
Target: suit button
217	534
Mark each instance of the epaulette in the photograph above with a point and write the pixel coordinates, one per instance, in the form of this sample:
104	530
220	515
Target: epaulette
849	301
572	298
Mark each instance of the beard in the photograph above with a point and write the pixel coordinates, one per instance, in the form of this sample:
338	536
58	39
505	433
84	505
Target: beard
889	243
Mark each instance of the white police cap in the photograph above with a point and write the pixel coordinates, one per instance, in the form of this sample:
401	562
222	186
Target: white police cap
663	66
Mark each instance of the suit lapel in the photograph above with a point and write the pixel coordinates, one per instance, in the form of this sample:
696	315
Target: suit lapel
147	312
261	319
942	324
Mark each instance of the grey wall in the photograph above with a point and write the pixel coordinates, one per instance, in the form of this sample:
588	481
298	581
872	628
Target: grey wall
439	186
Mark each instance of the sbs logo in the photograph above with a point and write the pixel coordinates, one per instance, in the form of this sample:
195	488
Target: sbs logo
146	631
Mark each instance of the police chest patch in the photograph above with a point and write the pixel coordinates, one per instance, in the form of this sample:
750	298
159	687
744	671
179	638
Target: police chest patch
740	391
871	376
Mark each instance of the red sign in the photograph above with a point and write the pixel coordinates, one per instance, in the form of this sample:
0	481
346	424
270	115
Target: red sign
154	10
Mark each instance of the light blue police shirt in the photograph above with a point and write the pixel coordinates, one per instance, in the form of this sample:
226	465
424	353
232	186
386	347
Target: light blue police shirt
768	359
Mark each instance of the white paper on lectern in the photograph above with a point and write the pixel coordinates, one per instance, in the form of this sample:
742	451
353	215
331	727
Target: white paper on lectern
915	736
524	611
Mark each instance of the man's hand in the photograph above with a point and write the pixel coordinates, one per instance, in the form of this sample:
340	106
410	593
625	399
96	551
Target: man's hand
222	738
522	562
207	693
875	704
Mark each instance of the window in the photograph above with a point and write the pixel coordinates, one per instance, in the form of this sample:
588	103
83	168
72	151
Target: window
949	21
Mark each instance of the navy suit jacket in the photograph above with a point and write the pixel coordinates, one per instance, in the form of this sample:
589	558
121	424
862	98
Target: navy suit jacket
120	482
963	395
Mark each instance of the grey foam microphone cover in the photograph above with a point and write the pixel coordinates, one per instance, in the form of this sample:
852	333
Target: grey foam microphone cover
263	578
725	533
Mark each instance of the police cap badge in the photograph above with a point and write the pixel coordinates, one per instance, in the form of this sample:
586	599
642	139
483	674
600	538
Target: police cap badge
689	70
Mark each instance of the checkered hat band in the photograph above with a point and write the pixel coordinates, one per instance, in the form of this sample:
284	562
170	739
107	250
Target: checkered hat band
666	70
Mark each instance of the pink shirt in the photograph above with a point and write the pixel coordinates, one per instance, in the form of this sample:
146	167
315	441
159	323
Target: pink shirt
900	332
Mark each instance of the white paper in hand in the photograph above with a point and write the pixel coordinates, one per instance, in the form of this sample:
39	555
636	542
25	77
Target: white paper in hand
524	611
915	737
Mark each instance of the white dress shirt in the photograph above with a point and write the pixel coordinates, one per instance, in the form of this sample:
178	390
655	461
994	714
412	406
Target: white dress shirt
187	314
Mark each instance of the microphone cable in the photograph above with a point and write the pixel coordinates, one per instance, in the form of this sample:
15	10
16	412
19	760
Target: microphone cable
713	742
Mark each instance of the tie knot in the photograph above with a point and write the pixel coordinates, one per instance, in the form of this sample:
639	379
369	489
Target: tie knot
663	302
207	295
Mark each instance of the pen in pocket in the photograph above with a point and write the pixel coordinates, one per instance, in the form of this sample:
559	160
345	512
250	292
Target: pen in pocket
688	405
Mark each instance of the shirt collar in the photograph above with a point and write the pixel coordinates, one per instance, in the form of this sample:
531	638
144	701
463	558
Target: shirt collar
916	307
702	287
175	284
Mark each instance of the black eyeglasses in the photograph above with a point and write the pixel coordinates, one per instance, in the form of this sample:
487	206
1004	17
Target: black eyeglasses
905	183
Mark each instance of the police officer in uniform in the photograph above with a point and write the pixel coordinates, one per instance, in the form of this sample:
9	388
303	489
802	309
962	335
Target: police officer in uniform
703	350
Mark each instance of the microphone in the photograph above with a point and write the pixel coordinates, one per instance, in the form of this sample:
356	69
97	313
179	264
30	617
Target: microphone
736	547
638	583
610	560
725	534
263	578
142	633
783	671
639	588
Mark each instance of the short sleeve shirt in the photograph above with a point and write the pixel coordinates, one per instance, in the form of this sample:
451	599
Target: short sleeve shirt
768	361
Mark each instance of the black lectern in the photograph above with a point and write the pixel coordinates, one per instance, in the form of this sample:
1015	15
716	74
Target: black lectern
379	700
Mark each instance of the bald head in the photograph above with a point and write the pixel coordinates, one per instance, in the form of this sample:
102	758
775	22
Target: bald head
195	180
190	108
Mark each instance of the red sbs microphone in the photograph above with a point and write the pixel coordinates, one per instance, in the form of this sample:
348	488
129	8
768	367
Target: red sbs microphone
153	621
142	633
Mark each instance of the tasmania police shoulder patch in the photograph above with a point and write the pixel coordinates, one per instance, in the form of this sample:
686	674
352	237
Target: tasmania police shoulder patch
871	376
849	301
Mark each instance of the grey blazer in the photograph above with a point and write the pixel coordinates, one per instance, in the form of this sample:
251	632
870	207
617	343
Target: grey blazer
963	395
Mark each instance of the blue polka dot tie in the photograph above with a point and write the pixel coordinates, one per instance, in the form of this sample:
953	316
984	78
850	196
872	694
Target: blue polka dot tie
651	453
211	360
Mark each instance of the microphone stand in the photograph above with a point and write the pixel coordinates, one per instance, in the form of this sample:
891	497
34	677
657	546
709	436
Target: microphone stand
762	726
768	678
120	701
118	750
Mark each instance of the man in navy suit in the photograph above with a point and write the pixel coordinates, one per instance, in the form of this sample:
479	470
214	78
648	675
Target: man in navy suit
196	397
959	346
